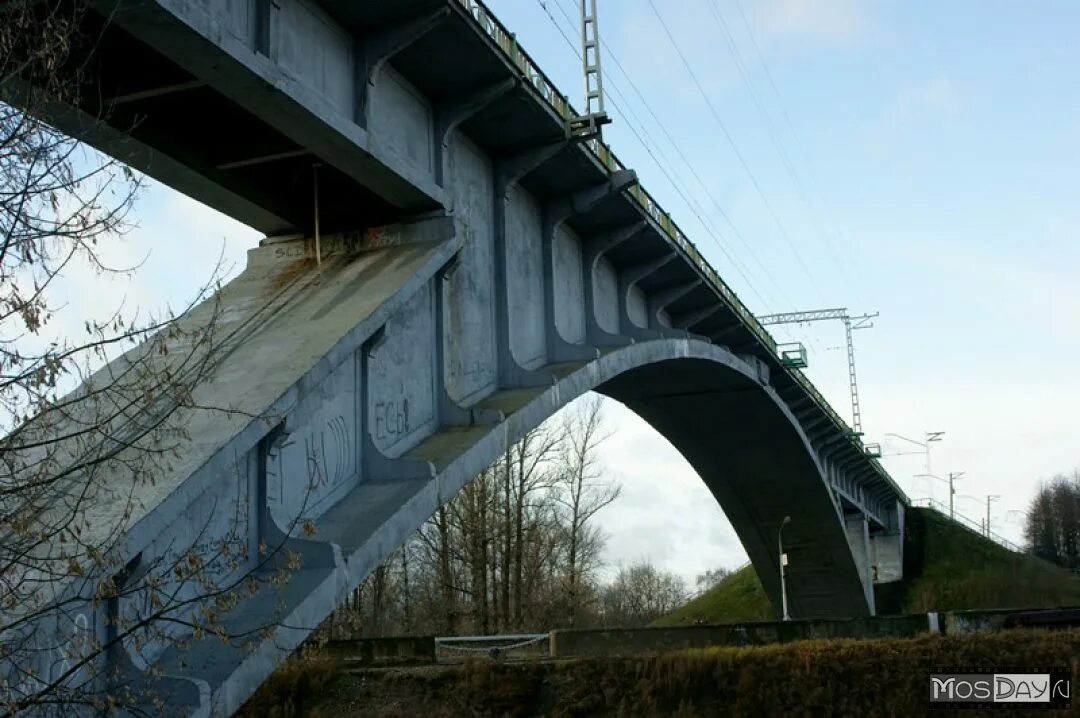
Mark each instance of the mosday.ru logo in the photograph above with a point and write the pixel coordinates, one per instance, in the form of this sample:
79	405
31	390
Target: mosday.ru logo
1049	688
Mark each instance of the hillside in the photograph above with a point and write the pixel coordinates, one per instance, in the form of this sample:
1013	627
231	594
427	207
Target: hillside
947	567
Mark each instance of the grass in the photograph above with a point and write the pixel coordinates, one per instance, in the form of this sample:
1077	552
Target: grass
885	677
739	597
946	568
955	569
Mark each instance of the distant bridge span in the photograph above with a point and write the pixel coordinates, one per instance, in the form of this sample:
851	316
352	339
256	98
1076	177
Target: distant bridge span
480	267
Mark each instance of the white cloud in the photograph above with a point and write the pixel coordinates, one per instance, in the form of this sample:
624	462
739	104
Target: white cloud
821	19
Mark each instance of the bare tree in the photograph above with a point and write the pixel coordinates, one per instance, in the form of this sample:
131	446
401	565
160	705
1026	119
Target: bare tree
640	594
711	578
92	419
1053	521
583	493
500	555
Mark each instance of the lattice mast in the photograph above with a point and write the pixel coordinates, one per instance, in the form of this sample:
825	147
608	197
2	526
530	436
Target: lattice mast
594	117
851	323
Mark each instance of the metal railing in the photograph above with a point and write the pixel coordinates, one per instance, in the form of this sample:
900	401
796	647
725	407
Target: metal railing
524	645
967	523
561	105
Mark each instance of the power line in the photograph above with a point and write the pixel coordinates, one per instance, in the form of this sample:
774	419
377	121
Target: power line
770	126
738	154
832	233
625	108
616	103
677	181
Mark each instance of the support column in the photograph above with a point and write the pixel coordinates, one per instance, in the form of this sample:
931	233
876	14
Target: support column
858	536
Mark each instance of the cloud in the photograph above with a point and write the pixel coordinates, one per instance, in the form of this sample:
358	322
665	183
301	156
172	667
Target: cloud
821	19
172	251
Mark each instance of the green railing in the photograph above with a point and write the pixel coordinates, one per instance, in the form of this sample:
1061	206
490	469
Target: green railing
558	102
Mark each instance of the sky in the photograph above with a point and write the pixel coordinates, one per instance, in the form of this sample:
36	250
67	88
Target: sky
917	159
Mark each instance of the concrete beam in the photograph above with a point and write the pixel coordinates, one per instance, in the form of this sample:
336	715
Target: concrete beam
595	247
664	298
690	319
512	168
449	114
583	201
378	48
632	275
153	92
629	277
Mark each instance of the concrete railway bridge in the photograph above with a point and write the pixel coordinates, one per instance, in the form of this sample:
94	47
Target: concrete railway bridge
479	265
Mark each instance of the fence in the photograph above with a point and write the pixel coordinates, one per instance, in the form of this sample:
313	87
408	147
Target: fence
513	646
967	523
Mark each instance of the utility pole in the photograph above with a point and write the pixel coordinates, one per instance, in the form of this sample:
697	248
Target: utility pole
990	498
595	117
953	476
851	324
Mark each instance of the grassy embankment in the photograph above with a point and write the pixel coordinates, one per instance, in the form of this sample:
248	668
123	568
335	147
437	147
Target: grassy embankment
946	566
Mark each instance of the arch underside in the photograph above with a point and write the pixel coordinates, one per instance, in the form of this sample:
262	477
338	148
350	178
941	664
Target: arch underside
748	449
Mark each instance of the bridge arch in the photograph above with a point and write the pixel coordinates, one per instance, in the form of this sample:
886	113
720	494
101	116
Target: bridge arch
733	429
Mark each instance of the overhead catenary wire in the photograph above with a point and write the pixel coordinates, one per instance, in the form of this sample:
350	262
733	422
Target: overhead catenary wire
770	127
618	102
831	234
625	108
737	152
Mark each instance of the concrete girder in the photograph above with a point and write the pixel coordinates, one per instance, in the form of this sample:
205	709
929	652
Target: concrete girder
451	113
726	330
791	394
513	168
595	247
629	278
152	92
660	300
690	319
828	443
376	49
826	437
555	214
583	201
811	425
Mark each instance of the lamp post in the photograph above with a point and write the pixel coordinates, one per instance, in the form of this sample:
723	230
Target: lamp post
783	566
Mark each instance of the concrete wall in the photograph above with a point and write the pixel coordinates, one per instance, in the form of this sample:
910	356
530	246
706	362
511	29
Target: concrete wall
525	278
319	461
605	280
382	651
470	319
606	642
569	292
402	406
400	122
858	535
